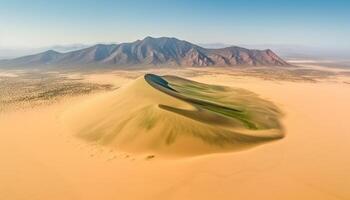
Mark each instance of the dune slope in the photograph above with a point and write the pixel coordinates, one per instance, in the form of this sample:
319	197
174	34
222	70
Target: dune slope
174	116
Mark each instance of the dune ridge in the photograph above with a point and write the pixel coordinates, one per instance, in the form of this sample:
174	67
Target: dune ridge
170	115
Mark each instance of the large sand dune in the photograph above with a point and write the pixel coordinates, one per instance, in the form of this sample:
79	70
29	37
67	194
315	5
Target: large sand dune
175	116
41	158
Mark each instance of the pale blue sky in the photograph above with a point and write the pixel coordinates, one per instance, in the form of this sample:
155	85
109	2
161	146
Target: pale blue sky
39	23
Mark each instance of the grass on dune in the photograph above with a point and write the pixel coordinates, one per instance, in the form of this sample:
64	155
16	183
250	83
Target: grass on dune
253	112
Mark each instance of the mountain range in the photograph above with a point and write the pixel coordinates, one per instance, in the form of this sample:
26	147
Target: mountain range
163	51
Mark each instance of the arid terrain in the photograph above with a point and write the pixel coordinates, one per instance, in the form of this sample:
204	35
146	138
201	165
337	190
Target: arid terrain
43	157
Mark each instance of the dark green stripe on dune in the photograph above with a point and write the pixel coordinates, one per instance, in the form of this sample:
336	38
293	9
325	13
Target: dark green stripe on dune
207	97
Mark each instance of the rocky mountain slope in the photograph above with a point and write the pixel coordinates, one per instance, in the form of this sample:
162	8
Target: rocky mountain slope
151	51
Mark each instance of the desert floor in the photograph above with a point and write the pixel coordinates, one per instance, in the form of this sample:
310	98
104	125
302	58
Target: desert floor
41	159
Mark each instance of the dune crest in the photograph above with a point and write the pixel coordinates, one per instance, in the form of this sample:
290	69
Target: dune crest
173	116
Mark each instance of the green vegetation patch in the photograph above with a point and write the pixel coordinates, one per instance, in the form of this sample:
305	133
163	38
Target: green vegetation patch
249	109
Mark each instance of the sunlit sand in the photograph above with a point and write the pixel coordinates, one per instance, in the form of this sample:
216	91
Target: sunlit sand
45	156
172	115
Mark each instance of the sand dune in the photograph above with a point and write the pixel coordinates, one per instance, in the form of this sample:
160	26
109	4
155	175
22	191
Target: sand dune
174	116
42	159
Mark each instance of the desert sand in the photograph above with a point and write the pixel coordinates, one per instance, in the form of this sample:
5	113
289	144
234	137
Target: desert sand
41	157
175	116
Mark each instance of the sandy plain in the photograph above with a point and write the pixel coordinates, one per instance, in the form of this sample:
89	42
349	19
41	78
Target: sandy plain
42	159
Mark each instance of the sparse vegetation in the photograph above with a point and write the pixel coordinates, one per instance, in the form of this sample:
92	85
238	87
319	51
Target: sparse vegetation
150	157
30	89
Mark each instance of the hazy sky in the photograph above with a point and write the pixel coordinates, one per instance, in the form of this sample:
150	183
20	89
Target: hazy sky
39	23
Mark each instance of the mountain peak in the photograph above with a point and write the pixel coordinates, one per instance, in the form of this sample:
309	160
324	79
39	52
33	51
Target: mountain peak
51	52
167	51
161	39
148	38
158	38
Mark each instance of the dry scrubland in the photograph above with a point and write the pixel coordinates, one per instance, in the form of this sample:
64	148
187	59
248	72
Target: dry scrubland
23	89
43	113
